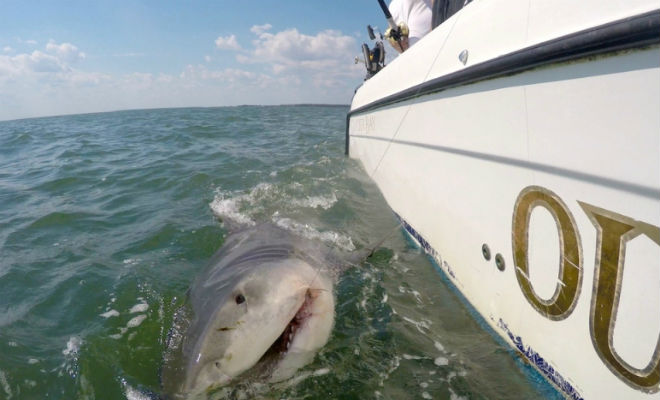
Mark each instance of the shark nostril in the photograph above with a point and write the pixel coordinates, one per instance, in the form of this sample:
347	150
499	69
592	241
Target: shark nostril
240	299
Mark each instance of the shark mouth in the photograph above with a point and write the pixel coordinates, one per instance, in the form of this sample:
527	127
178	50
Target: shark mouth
283	343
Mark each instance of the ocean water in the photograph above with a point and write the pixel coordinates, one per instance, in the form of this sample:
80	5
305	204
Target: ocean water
106	219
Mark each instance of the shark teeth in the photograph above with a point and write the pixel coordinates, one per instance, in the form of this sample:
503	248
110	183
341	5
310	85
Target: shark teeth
304	312
287	336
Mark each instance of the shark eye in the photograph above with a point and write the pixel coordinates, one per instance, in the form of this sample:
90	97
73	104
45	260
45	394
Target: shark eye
240	299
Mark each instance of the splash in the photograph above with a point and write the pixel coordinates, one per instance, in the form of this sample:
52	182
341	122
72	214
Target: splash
231	206
110	314
140	307
70	365
324	202
5	385
133	394
72	346
441	361
305	230
136	321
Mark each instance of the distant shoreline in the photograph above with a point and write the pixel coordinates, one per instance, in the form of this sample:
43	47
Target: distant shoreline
179	108
308	105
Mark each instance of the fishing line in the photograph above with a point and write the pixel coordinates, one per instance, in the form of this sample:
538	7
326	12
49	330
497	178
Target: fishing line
396	132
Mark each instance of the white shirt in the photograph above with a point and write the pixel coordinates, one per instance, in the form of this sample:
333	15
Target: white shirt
417	14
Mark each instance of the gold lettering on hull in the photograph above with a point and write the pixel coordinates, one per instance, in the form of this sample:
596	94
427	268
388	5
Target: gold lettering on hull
614	232
564	299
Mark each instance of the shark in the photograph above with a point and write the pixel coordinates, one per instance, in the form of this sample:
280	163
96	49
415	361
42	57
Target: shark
262	309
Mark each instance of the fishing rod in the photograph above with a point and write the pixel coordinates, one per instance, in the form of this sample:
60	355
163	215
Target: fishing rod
395	31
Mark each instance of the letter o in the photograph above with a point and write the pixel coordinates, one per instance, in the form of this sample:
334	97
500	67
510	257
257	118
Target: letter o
564	299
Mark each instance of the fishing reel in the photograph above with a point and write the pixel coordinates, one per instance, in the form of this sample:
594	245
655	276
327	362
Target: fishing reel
374	59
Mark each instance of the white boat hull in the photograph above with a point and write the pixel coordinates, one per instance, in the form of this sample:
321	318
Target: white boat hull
555	171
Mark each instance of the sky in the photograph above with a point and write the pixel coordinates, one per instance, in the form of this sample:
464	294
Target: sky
81	56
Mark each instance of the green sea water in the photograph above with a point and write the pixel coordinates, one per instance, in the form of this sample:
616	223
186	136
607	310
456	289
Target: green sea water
106	219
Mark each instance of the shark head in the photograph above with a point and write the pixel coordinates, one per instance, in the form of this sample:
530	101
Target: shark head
271	320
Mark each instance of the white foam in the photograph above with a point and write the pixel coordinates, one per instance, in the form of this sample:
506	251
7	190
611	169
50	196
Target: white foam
5	385
341	241
12	344
228	205
441	361
394	365
409	357
454	396
294	381
33	361
72	346
325	202
439	346
140	307
420	325
418	296
136	321
321	372
120	334
426	395
70	356
229	209
134	394
110	313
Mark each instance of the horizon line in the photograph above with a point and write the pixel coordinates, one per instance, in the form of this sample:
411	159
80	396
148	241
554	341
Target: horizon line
179	108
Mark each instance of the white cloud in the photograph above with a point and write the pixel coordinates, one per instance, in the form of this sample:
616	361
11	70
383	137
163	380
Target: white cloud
324	60
7	49
291	48
35	62
57	60
65	51
207	58
227	43
259	29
